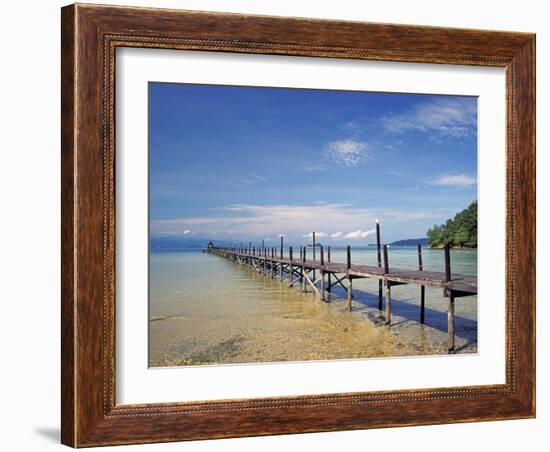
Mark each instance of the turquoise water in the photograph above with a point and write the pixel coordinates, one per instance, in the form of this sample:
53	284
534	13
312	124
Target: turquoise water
204	309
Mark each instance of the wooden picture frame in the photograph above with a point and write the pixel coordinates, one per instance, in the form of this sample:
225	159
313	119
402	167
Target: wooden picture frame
90	36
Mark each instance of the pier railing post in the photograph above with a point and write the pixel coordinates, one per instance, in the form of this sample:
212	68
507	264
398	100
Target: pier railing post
304	282
447	262
388	285
302	267
422	288
322	272
290	269
313	238
281	263
329	277
350	283
379	262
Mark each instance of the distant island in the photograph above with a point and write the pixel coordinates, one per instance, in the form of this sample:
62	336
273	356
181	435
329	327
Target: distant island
411	242
460	231
181	243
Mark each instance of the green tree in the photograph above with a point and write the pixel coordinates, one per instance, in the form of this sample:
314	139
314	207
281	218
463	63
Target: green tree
458	231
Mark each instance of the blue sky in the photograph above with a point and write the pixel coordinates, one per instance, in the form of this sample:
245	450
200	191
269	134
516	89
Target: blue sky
241	163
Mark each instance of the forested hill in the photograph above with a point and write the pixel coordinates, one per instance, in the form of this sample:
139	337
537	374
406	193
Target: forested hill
410	242
461	231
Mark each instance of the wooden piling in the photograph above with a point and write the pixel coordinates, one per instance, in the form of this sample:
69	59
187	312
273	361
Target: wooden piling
451	323
388	285
322	273
304	275
329	276
313	254
379	262
422	288
388	302
350	283
290	267
447	262
350	292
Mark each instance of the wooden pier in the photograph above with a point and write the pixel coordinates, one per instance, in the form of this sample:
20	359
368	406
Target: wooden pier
321	274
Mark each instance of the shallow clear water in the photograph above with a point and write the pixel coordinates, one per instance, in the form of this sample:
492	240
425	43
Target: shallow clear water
204	309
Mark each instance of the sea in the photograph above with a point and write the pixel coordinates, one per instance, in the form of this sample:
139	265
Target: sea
207	310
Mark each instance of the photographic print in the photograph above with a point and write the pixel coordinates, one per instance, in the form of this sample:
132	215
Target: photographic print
304	224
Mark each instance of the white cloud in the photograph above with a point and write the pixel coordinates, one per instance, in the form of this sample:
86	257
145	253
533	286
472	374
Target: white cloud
455	118
348	152
249	220
317	235
336	235
354	127
359	234
454	180
187	231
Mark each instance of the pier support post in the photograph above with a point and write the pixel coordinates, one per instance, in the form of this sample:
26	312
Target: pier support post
322	272
350	284
451	323
329	285
302	259
422	303
422	288
290	266
447	262
379	262
314	254
350	292
304	271
388	303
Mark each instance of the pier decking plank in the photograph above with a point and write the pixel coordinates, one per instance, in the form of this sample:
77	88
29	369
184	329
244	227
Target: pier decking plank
462	283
